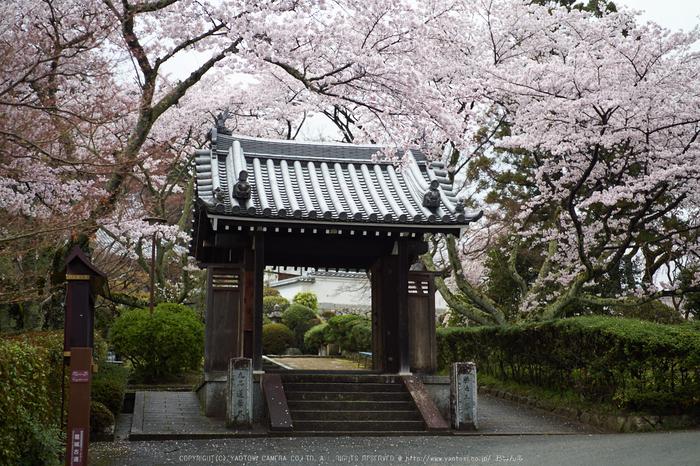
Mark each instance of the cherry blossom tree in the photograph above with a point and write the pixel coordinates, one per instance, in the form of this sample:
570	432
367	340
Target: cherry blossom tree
602	120
600	114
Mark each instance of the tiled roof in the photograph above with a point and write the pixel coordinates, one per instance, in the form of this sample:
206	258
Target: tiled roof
321	182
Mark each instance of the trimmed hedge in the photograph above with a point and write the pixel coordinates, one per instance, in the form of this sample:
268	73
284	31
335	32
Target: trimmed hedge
31	380
101	417
306	298
640	366
165	343
299	319
315	337
350	332
276	338
108	392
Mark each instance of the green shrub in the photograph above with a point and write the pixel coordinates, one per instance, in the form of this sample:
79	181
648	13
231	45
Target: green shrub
631	364
101	418
276	338
31	382
108	392
269	303
315	337
269	291
167	342
299	319
361	336
109	385
340	331
46	445
654	311
306	298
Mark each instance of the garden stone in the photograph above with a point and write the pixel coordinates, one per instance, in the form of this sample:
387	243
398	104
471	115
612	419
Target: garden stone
653	420
292	352
613	422
636	424
566	411
544	405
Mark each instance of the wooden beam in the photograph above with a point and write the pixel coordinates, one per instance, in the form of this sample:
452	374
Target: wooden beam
276	400
428	411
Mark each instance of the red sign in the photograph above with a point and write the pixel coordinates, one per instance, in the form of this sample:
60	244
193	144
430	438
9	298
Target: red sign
80	376
77	440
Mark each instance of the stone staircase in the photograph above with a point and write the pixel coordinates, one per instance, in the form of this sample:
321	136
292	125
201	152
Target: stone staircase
340	404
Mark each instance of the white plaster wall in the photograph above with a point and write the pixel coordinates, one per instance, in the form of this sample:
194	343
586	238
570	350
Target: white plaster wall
342	291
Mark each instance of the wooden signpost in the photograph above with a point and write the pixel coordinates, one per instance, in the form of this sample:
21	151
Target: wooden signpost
83	278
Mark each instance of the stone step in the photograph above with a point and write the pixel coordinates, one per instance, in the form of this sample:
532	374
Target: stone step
342	387
358	426
347	396
340	417
296	376
350	403
371	405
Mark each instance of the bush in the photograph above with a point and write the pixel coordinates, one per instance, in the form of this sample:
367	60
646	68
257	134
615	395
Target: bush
299	319
269	291
654	311
101	418
361	336
306	298
340	331
269	303
276	338
315	337
46	445
168	342
30	397
631	364
108	392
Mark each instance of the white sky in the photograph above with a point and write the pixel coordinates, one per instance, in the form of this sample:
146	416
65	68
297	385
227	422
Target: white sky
671	14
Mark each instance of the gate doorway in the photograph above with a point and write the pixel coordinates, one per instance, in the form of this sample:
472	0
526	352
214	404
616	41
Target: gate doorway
267	203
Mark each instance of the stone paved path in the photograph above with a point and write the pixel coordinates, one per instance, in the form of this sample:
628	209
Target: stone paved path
177	415
499	417
171	415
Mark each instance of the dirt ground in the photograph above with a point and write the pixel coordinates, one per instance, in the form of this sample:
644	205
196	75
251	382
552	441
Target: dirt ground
319	364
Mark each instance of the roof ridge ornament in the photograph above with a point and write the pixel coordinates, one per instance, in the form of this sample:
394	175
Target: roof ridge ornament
431	198
220	122
241	190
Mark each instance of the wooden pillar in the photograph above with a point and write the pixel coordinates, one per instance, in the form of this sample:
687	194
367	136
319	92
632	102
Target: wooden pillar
421	322
378	359
248	303
259	277
402	298
390	329
224	318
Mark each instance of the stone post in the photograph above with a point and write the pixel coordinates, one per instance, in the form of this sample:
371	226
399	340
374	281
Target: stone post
463	396
239	394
